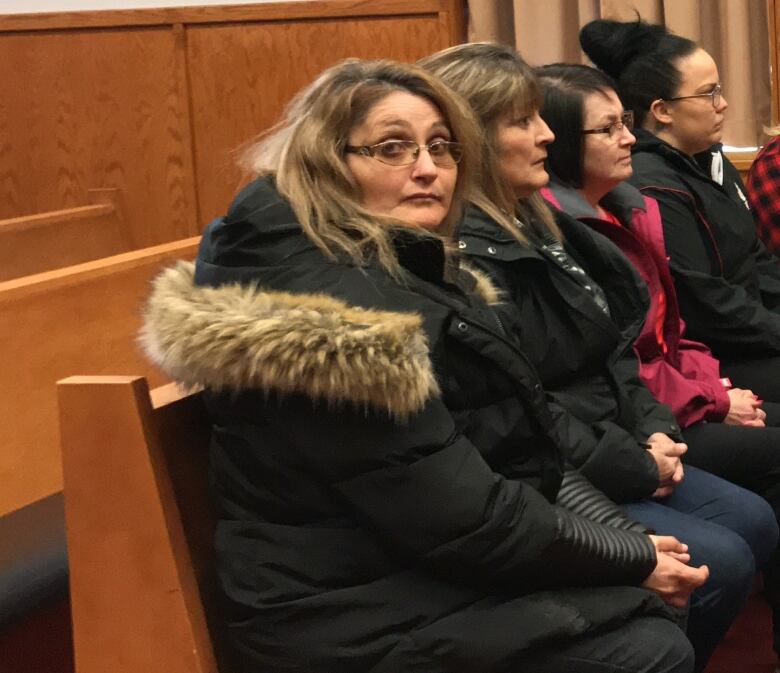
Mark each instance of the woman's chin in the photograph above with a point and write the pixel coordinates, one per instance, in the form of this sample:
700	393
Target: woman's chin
429	223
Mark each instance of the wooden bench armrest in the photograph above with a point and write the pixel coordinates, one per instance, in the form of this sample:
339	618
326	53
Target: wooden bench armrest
136	601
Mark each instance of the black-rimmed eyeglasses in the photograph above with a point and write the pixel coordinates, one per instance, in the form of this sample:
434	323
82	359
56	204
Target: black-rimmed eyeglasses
443	153
626	121
715	95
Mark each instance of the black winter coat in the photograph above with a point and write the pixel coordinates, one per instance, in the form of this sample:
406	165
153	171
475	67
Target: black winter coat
728	285
584	357
383	459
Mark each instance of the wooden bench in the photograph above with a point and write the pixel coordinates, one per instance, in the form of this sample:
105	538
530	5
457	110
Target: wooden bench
140	527
53	240
82	319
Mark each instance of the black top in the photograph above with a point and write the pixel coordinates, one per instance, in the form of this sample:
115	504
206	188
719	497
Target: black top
384	460
728	285
583	356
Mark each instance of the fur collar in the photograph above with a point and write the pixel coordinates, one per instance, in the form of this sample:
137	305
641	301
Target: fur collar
237	337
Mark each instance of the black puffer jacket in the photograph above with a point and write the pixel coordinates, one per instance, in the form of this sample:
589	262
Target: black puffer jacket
383	459
584	357
728	285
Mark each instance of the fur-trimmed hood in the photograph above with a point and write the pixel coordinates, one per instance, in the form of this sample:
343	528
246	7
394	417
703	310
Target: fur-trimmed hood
238	336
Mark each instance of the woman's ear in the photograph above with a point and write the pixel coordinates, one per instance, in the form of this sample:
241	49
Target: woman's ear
661	112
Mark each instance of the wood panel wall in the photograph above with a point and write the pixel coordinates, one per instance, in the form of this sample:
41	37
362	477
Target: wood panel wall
154	102
79	320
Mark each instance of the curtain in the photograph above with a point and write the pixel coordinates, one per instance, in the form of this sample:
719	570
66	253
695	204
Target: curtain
734	32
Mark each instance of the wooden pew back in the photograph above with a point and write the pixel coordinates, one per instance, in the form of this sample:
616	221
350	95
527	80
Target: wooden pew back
53	240
82	319
140	526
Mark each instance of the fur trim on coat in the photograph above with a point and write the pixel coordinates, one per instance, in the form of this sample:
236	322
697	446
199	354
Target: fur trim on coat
237	337
483	285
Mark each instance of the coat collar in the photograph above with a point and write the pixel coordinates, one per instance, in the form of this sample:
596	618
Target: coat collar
240	336
698	164
478	224
621	201
236	337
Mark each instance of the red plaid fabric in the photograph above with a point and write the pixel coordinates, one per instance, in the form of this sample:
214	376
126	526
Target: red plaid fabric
763	190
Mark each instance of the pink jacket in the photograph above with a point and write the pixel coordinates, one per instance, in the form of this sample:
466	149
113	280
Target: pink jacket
680	373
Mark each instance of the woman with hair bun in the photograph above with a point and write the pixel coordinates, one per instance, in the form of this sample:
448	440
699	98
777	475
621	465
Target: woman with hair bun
728	285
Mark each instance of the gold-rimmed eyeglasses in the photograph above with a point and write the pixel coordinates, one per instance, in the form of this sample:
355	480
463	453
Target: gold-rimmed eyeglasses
714	95
443	153
626	121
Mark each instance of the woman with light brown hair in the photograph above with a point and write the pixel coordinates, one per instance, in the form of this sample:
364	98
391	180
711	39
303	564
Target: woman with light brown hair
386	469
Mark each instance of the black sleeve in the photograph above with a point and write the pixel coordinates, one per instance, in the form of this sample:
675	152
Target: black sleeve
426	491
579	496
711	305
607	455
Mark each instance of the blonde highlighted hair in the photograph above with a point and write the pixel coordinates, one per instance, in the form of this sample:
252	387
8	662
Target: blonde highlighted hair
305	153
497	83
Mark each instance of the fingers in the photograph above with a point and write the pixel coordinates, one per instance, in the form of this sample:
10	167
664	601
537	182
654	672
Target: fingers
672	580
668	543
677	601
682	558
701	575
668	448
679	473
663	492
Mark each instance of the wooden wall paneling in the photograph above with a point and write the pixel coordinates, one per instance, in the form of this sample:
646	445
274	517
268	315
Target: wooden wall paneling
453	15
243	75
185	105
79	320
742	162
166	16
46	241
94	108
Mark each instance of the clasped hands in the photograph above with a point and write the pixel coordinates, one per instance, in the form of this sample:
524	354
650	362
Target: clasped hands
668	458
672	579
745	409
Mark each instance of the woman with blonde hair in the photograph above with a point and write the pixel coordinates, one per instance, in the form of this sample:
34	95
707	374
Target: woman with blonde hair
575	304
386	470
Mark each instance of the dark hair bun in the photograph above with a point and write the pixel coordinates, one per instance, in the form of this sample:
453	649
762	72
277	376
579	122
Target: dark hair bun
612	45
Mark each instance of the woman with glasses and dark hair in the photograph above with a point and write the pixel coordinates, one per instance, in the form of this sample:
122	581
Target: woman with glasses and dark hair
723	427
576	305
728	285
387	472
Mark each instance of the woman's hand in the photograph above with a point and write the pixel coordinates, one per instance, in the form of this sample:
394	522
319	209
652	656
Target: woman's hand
672	579
745	409
666	453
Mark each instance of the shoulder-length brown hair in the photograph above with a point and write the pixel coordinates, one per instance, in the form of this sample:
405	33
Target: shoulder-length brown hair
305	152
497	83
